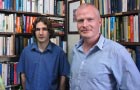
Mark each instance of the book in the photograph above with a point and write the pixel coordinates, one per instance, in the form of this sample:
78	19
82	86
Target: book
131	17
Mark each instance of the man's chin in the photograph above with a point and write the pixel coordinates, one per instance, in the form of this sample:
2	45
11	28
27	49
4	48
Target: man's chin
85	35
41	41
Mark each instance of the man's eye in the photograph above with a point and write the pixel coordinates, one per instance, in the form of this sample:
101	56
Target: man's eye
80	20
45	29
37	29
90	19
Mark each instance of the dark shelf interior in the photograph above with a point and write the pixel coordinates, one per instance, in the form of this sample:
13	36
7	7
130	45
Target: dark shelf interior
9	58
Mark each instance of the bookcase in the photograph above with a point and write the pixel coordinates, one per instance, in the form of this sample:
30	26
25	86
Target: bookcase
120	22
16	18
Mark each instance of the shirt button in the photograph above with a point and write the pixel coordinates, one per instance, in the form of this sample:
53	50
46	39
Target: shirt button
77	88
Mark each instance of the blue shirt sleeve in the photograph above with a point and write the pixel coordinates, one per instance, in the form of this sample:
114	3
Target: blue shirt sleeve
125	71
64	66
21	63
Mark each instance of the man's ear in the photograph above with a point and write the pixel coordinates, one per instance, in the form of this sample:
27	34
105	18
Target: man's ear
100	21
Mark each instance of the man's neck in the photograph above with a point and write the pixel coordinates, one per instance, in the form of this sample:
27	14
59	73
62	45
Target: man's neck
42	46
89	43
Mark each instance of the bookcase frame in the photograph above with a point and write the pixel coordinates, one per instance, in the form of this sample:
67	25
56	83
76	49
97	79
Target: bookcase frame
15	58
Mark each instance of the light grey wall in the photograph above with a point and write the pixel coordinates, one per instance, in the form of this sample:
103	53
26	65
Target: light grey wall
72	39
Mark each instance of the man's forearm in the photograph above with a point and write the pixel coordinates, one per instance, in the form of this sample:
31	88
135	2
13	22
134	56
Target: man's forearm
23	79
62	83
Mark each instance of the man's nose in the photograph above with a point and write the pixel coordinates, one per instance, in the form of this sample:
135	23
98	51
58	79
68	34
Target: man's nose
41	31
85	22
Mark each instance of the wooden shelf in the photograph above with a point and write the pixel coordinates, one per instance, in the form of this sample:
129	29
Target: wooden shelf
9	58
130	43
26	34
13	33
6	33
28	13
23	34
9	86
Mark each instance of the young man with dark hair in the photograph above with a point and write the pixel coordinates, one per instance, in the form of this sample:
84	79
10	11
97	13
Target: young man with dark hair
43	65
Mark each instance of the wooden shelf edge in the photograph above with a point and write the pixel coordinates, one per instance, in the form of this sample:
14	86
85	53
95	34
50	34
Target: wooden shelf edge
8	58
130	43
29	13
122	13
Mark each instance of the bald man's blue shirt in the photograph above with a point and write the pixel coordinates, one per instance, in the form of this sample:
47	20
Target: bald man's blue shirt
107	66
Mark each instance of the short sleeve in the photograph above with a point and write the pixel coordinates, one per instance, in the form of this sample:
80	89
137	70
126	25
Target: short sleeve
64	65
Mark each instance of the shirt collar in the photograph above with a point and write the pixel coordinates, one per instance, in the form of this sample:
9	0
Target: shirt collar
77	45
35	47
99	44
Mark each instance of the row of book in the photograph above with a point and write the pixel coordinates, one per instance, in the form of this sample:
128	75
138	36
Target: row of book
40	6
21	42
15	23
9	73
10	47
60	42
23	24
58	26
115	6
7	45
125	28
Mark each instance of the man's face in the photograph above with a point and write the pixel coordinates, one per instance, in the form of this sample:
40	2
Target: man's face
88	22
42	34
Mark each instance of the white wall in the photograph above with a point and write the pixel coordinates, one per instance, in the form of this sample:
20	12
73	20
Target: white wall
72	39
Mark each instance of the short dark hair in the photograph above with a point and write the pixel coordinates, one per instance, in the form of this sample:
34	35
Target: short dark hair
47	22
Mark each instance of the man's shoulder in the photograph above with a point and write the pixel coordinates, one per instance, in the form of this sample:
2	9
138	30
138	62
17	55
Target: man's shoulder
112	43
29	47
56	47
